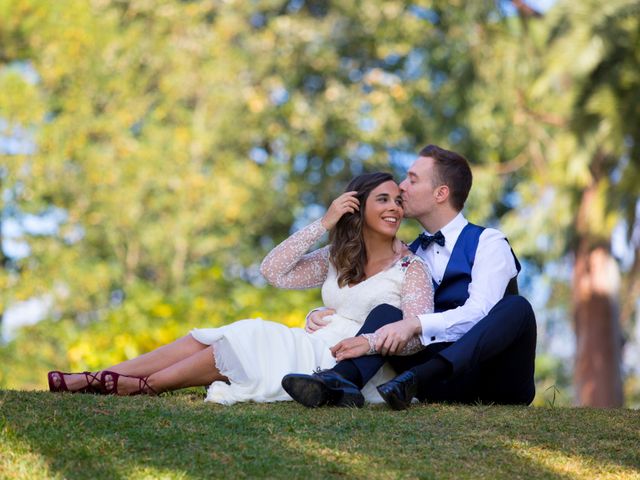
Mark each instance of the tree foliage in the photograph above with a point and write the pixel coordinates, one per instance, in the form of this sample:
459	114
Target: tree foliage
175	142
175	139
568	120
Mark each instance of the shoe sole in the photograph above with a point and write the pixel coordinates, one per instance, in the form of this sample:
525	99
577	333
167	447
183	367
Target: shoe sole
351	399
313	393
393	401
306	390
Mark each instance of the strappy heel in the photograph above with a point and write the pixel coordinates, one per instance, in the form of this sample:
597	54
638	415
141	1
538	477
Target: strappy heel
143	384
62	385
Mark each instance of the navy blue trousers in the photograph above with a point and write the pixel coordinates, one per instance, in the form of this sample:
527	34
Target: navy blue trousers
492	363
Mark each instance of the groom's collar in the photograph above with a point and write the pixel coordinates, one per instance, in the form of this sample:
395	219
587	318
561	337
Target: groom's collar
451	230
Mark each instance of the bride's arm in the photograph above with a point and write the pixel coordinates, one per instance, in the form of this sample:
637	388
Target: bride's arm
417	299
289	266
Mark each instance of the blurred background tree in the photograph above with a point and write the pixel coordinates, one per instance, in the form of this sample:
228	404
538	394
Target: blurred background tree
167	145
568	85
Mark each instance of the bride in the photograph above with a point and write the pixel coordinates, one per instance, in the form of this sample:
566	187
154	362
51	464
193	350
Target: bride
364	266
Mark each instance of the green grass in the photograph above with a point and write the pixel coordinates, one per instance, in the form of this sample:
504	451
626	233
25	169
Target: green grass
44	435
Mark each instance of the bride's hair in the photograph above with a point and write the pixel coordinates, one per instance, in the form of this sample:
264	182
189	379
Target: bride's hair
348	253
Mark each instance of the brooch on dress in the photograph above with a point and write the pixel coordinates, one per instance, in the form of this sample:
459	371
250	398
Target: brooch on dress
406	261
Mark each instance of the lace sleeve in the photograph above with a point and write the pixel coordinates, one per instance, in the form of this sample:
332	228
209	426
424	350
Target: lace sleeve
287	266
417	298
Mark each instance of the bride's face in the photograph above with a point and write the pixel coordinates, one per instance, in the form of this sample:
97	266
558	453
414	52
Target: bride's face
383	209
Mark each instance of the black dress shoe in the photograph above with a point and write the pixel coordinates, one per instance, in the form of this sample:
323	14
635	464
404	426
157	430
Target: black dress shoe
322	388
399	392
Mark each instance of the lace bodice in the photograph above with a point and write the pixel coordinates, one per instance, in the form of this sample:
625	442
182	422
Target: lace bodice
406	284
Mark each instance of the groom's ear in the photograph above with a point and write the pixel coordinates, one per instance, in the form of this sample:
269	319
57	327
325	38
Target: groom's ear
442	193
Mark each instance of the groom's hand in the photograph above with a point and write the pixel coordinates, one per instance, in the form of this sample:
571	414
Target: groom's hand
316	321
393	337
350	348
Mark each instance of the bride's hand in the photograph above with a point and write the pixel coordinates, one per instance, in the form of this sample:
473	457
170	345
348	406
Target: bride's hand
345	203
315	319
350	348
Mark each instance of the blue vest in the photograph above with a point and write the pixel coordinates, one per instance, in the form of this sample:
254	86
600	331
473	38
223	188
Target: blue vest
453	291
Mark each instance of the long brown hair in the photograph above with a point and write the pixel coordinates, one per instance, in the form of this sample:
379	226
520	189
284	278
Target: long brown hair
348	253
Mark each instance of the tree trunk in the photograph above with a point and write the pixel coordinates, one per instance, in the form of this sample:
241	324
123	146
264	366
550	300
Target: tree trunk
596	280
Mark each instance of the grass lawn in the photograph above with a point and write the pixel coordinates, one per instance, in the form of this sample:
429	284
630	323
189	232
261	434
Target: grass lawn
44	435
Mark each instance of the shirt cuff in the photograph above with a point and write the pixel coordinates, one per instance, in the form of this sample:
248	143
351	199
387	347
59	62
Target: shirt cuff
434	326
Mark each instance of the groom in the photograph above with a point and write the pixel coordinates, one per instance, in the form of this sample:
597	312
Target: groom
480	341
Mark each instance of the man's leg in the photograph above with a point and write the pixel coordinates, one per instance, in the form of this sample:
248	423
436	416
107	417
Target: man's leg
341	385
360	370
508	377
493	362
399	392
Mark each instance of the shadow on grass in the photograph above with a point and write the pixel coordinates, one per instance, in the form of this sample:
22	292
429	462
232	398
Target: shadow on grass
485	441
180	436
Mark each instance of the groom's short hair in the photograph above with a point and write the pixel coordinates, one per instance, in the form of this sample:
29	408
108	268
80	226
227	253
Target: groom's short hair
452	170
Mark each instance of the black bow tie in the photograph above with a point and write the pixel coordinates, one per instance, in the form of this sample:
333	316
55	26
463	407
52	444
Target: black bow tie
426	240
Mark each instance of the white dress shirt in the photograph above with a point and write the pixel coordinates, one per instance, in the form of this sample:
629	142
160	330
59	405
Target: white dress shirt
493	268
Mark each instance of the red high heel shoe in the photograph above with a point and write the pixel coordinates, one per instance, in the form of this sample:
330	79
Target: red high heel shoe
62	385
143	385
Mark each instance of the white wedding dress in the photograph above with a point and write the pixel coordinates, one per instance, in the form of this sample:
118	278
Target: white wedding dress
255	354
